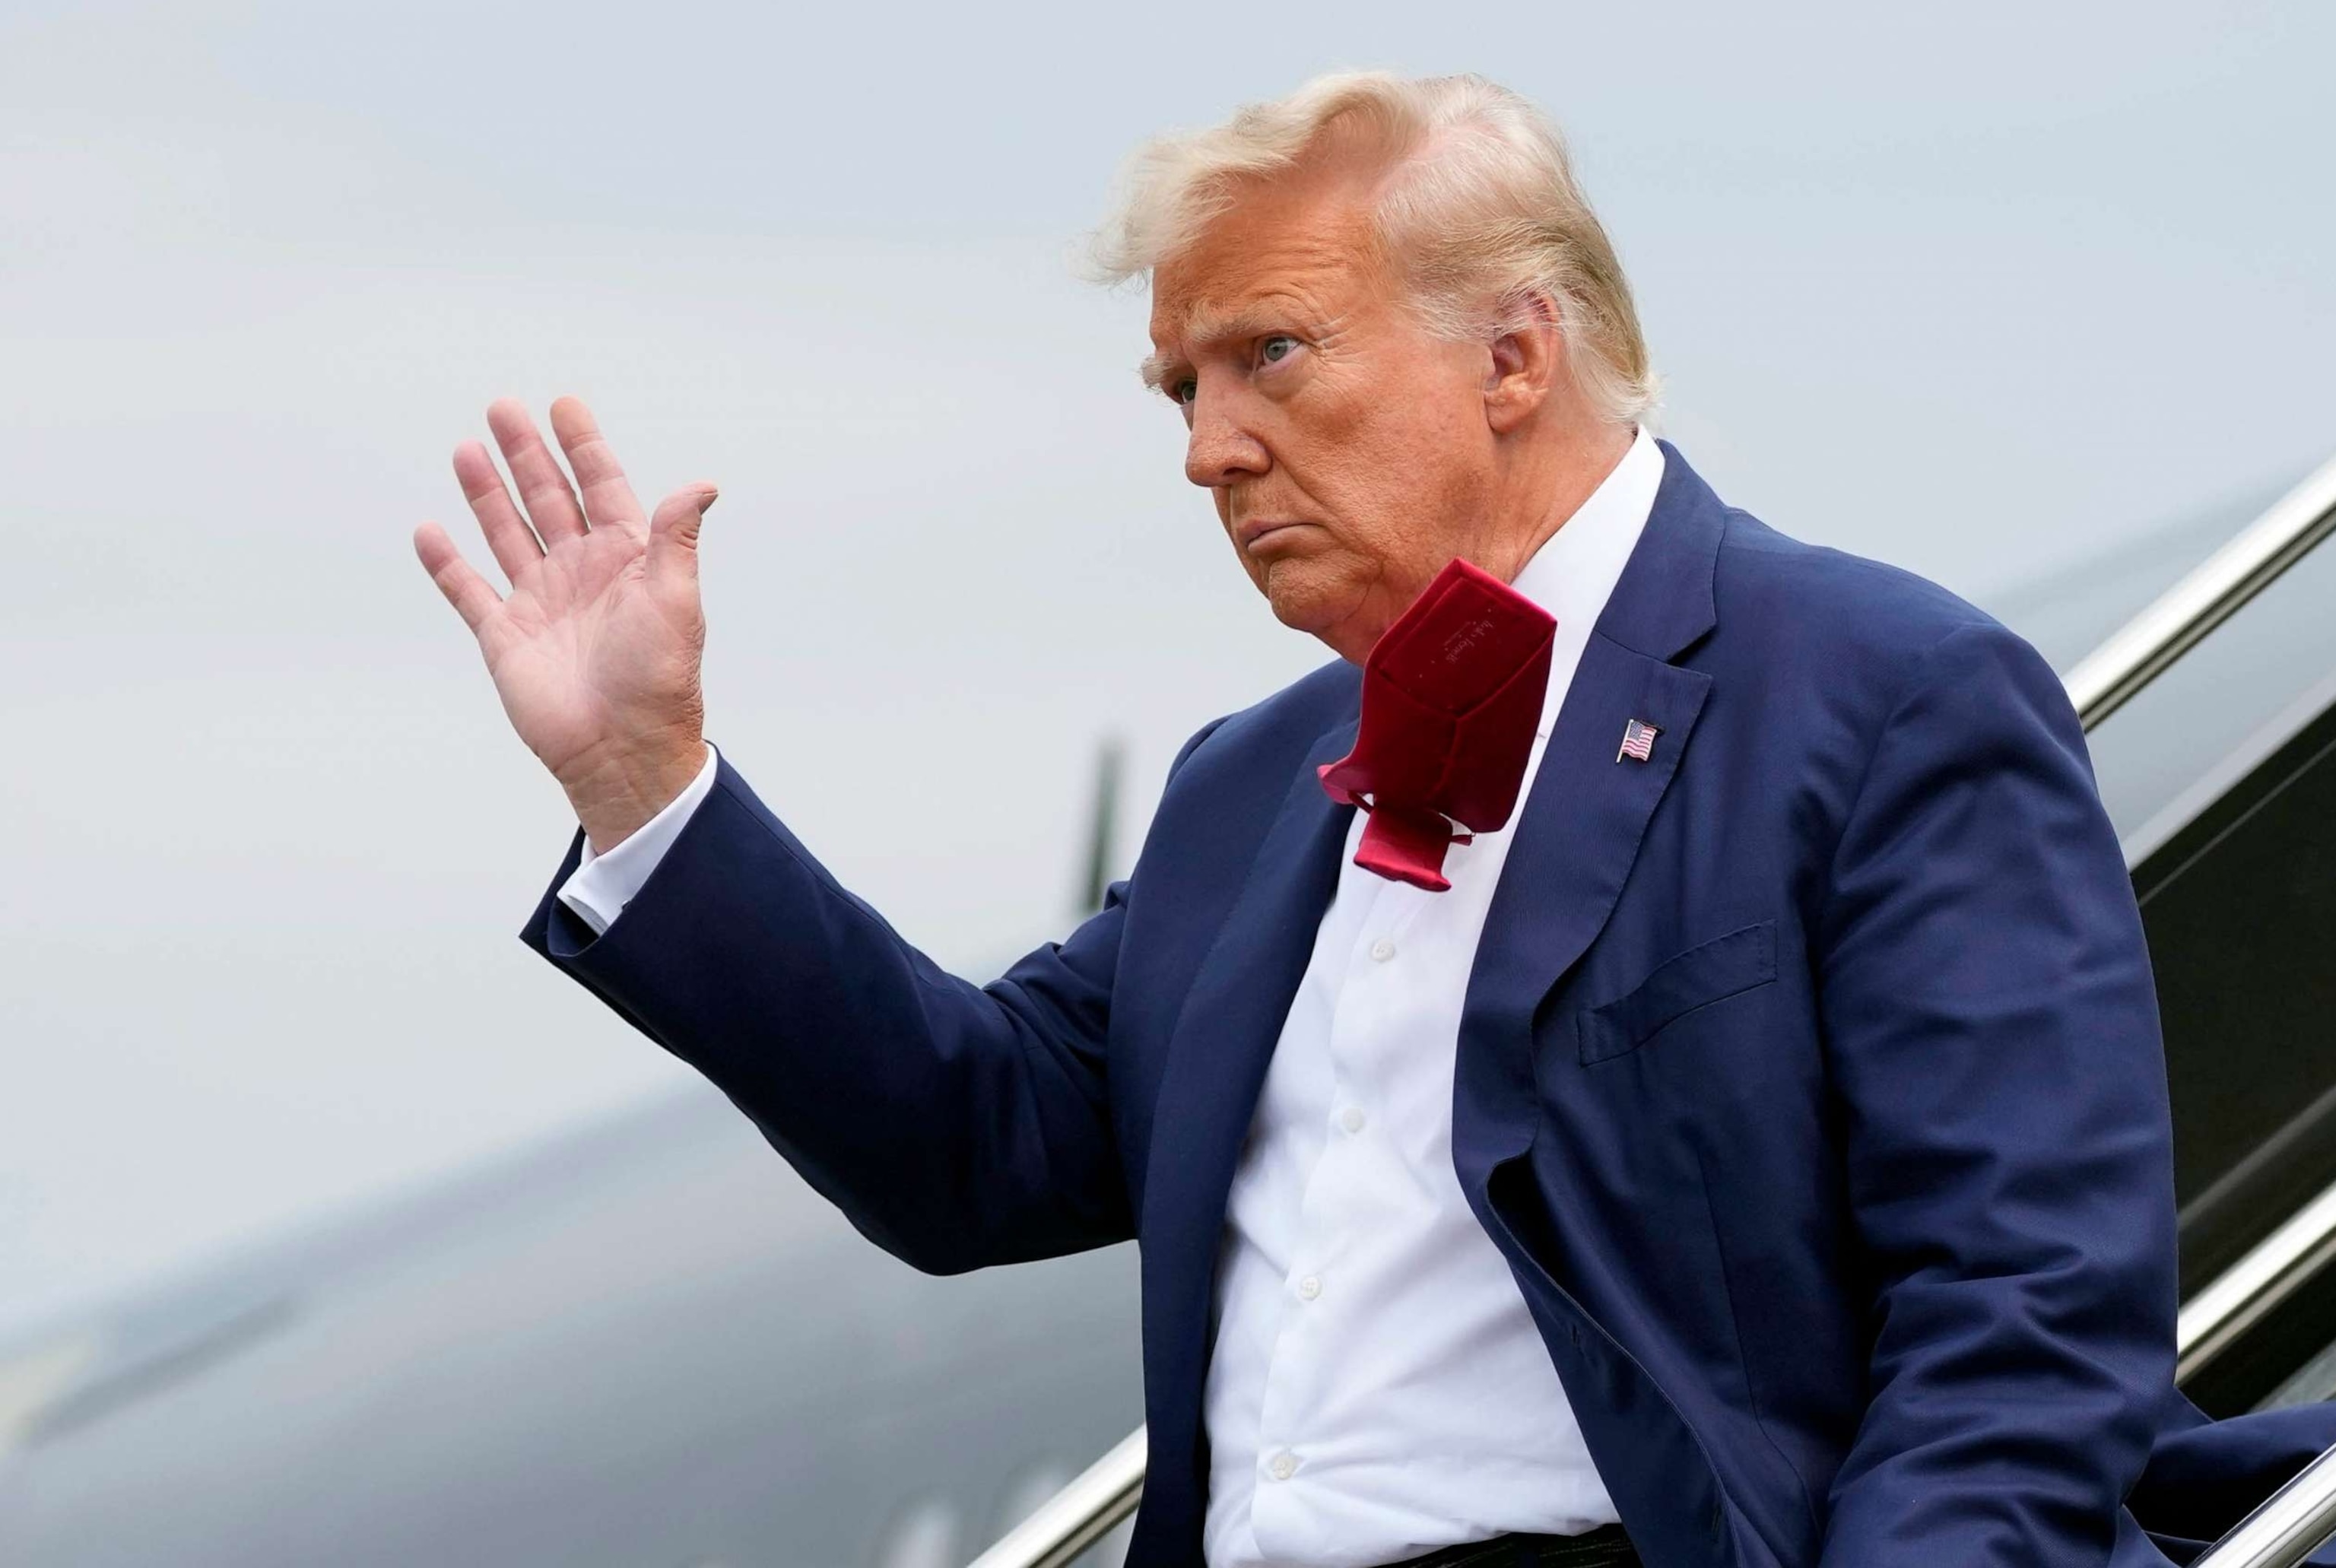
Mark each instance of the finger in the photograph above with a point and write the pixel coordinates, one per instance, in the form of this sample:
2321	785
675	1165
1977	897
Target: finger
500	518
473	596
608	495
543	488
673	534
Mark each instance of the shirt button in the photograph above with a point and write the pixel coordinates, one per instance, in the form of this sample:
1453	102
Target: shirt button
1310	1287
1283	1466
1382	951
1351	1118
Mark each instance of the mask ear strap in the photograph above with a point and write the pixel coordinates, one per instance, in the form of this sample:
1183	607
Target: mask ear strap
1461	834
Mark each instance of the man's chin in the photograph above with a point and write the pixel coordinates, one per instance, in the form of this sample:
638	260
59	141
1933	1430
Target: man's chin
1319	603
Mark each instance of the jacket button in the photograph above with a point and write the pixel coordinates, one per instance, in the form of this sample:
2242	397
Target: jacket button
1573	1331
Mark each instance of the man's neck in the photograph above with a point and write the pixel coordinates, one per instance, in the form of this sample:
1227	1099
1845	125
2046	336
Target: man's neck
1552	491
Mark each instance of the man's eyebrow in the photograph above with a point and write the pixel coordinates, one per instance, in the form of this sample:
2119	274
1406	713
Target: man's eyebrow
1205	327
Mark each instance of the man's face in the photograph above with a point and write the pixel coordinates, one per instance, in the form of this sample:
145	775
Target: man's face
1348	450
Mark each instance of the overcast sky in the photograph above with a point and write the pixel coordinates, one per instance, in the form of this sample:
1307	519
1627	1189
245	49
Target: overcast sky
1980	291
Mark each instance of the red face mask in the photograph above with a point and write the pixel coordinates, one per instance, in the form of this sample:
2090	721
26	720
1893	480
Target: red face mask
1452	693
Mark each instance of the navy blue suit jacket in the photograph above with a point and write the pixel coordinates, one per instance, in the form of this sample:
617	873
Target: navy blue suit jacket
1809	1076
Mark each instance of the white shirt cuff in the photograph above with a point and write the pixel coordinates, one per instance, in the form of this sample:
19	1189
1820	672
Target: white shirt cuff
602	885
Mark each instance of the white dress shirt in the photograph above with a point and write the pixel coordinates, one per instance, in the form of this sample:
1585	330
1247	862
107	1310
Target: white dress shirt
1378	1387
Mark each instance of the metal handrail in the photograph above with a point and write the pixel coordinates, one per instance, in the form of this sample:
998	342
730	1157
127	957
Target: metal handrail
1079	1516
2242	1295
2105	680
2289	1527
2146	647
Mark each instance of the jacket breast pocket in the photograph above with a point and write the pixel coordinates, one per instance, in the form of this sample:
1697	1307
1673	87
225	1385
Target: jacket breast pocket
1713	971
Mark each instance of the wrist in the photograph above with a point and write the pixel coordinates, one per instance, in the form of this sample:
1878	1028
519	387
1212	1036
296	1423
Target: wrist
618	794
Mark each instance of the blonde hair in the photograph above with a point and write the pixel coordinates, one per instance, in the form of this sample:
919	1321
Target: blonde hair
1477	213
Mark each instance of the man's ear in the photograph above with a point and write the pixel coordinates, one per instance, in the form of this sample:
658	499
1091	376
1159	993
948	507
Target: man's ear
1528	362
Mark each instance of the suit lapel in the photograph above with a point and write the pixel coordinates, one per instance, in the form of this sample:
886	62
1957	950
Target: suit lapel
1580	827
1574	851
1224	1039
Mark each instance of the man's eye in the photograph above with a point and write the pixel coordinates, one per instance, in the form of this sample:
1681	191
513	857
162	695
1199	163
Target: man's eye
1279	347
1184	391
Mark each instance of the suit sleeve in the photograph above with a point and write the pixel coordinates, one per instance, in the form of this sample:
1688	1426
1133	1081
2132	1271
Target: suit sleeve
1991	1030
955	1125
602	885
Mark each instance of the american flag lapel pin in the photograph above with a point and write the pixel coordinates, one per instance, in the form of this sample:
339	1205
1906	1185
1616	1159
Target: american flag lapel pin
1637	741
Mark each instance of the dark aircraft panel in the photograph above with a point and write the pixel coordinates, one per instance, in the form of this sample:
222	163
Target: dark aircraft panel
2240	906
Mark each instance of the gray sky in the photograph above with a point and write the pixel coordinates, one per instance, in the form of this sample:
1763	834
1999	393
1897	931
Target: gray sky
1979	291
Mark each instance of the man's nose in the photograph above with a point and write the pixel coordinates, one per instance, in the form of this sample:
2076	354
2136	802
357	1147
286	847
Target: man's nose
1221	448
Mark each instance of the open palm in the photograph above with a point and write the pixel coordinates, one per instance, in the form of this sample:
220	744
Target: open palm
594	651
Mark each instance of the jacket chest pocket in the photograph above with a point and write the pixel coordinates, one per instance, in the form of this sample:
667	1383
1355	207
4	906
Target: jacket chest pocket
1713	971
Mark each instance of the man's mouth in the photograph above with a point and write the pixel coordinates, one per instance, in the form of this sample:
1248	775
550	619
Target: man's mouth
1257	528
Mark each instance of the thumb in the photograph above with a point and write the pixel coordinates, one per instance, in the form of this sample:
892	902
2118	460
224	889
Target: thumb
673	534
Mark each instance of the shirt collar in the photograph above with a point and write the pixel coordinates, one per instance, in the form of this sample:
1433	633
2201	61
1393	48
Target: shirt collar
1575	571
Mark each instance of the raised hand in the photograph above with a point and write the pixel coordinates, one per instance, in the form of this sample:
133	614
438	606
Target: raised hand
595	652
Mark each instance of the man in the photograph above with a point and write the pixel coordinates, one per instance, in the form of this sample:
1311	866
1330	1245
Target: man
1757	1154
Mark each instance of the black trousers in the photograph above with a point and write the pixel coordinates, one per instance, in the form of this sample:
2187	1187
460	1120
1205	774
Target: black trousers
1604	1547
